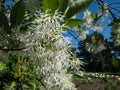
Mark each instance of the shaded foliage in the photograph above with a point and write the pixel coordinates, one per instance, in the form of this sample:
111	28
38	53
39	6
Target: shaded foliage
100	55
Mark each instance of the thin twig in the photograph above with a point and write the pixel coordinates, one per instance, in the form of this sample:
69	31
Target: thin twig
72	35
11	49
114	3
114	9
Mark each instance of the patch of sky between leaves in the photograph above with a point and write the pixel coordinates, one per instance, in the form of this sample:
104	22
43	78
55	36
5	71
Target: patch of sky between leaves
107	29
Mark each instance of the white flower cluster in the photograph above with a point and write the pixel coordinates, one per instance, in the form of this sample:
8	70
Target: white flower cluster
116	33
49	51
89	22
97	75
83	34
105	9
94	48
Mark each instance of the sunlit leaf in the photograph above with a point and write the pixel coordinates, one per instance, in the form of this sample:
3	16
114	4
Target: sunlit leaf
3	67
77	7
50	5
13	84
118	78
33	85
74	22
76	76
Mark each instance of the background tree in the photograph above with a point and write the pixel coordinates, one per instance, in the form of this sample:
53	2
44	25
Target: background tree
100	54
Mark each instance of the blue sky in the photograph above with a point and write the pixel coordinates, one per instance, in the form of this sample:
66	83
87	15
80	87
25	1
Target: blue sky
8	3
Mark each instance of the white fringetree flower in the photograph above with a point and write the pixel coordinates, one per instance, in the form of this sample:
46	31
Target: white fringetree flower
116	33
90	22
49	52
88	18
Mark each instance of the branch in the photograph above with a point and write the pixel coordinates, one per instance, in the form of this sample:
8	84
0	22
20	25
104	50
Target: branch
101	2
114	3
114	8
72	35
11	49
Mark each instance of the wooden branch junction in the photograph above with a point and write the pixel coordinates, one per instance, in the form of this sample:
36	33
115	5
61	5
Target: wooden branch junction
20	67
18	57
12	49
4	48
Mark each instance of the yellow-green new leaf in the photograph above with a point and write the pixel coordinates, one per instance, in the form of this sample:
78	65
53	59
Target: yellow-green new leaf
74	22
77	7
50	5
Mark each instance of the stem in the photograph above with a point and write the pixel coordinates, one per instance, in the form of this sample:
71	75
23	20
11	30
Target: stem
11	49
72	35
19	87
41	83
19	65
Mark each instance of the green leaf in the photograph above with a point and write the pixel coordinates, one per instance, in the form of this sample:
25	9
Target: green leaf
3	67
33	85
50	5
115	62
13	84
4	22
77	7
76	76
63	5
74	22
17	13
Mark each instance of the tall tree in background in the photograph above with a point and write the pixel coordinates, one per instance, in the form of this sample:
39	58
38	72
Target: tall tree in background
100	54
